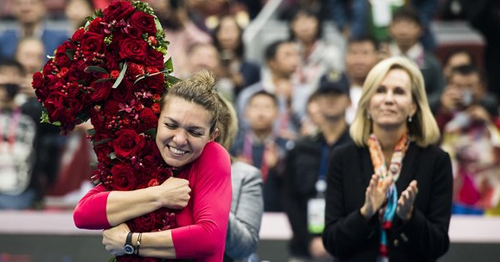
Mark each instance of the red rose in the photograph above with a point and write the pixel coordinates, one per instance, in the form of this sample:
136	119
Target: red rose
143	22
61	58
77	73
92	43
123	177
134	49
156	108
102	90
111	106
78	34
135	70
149	160
163	174
48	68
75	106
102	153
154	58
54	105
127	143
37	80
97	26
148	118
132	32
123	93
117	10
145	223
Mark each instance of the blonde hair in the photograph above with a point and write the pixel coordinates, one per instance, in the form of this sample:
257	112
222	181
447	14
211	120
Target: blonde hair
200	89
423	129
227	123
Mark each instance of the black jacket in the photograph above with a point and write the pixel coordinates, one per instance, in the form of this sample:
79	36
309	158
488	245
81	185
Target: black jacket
301	173
349	237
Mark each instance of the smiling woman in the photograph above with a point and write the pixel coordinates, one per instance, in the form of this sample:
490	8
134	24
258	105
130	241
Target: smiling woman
186	128
392	169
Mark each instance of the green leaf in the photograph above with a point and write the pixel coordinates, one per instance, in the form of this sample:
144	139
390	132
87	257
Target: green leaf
100	142
158	24
121	76
70	53
103	80
91	132
112	155
139	79
151	132
45	118
172	79
169	65
113	259
96	69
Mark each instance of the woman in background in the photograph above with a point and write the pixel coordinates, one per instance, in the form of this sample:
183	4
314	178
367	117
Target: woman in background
389	193
247	204
227	37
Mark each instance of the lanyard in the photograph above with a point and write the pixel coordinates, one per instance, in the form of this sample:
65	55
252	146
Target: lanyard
13	123
324	161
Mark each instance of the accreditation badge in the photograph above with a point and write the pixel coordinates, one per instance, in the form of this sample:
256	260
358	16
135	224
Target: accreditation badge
316	215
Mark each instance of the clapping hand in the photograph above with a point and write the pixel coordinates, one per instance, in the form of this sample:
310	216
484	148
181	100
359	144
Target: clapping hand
406	200
375	195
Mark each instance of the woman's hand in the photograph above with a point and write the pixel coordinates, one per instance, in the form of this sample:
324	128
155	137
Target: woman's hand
375	195
174	193
406	200
114	239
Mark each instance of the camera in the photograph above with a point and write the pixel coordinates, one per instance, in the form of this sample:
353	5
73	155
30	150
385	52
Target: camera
467	97
11	88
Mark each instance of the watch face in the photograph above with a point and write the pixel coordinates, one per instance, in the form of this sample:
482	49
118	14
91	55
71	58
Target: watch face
129	249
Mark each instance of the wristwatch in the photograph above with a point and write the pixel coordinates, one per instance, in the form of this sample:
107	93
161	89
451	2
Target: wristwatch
128	247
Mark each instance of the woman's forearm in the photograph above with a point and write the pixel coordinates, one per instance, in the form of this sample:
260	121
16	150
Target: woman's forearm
124	205
156	244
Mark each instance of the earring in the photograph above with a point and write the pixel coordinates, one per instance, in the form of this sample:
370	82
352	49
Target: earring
409	119
368	115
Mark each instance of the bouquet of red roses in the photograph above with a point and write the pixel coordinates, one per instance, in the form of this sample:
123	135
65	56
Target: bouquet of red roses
112	72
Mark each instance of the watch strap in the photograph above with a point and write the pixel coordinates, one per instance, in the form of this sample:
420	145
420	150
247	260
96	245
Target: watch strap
128	241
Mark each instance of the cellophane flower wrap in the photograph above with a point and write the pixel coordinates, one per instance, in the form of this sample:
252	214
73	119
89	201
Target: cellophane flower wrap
112	72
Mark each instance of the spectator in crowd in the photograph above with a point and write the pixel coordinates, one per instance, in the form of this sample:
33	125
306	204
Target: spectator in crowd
405	29
484	15
317	57
456	58
180	31
466	91
24	170
467	116
247	204
389	194
30	53
361	18
227	38
76	11
260	146
282	59
29	16
206	57
350	17
305	171
314	117
288	8
361	55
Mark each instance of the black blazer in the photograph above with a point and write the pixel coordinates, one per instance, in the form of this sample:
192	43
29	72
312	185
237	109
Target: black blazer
349	237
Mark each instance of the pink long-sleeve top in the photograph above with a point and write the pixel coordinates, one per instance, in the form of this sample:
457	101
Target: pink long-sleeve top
201	225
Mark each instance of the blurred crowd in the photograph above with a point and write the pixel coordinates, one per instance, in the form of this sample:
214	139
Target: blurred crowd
293	107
